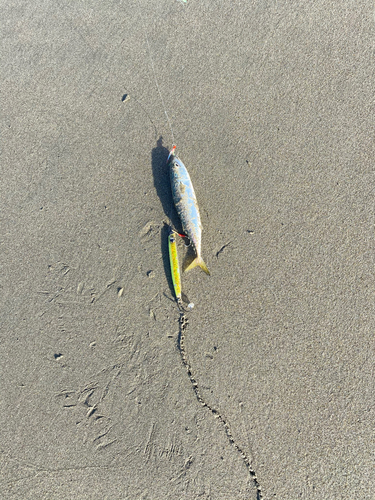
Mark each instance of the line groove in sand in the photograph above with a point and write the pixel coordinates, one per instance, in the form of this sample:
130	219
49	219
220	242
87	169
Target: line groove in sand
183	323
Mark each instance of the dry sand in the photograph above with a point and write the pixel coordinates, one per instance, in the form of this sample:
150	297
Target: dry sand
272	106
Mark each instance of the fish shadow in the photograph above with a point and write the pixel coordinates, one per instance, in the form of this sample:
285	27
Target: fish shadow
162	182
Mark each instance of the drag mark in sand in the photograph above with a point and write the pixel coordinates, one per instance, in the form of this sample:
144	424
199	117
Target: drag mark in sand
183	323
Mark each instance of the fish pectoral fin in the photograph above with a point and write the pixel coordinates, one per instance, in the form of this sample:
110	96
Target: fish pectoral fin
198	261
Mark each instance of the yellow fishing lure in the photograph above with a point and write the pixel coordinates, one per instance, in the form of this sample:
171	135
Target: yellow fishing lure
175	268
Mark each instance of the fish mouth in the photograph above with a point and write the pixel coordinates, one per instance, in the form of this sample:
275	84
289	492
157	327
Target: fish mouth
171	152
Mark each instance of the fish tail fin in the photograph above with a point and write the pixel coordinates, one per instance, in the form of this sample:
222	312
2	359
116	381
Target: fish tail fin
198	261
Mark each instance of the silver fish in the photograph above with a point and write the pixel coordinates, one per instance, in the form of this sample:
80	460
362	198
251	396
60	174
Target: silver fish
187	207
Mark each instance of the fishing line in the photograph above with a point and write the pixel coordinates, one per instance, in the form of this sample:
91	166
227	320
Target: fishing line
183	323
157	86
183	319
165	112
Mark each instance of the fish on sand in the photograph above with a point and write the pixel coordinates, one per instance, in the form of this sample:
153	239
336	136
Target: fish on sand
187	207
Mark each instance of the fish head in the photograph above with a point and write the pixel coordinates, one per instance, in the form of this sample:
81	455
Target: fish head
175	164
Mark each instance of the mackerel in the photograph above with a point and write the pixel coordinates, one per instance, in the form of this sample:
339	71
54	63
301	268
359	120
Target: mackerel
187	207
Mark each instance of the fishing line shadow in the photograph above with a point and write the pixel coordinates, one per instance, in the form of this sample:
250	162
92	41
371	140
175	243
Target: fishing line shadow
162	182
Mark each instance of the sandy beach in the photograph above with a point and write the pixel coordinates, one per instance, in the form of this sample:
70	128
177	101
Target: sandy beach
268	391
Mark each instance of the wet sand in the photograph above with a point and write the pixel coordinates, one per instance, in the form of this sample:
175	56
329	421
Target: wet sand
272	112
